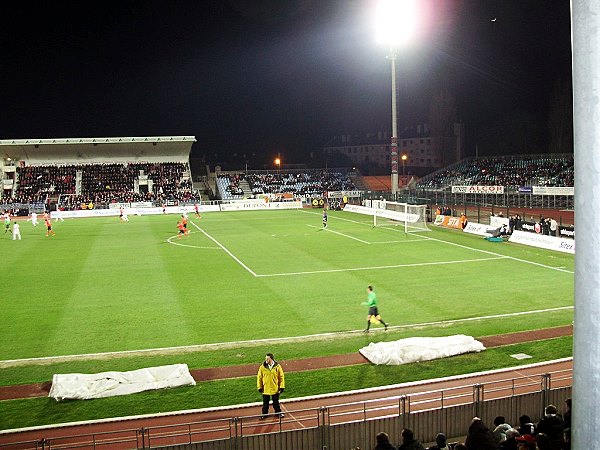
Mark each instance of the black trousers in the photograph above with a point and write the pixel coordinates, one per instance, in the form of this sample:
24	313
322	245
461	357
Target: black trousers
266	399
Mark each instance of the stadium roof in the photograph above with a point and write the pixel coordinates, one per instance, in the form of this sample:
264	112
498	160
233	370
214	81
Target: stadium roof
98	140
100	149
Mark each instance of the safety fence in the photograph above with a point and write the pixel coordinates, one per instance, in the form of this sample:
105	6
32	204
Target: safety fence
340	426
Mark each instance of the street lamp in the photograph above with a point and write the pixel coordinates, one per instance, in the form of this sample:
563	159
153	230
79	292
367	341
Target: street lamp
396	23
403	158
278	164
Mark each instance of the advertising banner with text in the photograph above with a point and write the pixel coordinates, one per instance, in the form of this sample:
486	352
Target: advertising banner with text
478	189
448	222
553	190
543	241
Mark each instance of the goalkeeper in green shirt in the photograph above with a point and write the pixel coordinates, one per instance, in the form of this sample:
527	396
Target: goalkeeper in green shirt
373	312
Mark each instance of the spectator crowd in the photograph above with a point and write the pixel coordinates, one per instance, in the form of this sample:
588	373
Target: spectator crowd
551	432
510	172
102	184
297	183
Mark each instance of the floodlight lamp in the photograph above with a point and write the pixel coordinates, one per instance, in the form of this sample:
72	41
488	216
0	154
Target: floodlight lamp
404	157
396	21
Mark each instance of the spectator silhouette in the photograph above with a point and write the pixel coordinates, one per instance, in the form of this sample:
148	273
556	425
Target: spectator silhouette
501	427
567	414
511	440
526	426
441	443
383	442
552	424
479	436
409	442
526	442
544	442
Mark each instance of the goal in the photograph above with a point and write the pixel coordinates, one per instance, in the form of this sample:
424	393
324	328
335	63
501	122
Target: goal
411	217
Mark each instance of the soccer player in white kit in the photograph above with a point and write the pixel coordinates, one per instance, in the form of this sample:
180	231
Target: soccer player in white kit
34	220
16	231
59	215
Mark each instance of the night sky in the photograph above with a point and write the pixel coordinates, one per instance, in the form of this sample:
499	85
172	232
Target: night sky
258	78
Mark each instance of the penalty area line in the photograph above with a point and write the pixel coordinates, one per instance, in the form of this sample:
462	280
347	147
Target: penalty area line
235	258
337	232
395	266
525	261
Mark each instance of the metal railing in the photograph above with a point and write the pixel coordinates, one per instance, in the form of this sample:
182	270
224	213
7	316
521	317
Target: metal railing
337	426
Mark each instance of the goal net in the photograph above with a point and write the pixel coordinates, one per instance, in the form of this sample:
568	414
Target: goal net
411	217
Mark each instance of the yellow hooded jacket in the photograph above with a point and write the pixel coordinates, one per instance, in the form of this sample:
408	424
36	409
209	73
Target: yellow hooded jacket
270	380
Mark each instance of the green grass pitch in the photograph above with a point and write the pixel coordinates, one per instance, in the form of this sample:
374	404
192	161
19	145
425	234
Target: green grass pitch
100	285
252	282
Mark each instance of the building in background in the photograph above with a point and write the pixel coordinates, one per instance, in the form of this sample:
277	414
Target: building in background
370	152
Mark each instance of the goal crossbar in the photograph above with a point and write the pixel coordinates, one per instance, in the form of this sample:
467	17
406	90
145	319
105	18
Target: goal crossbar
411	217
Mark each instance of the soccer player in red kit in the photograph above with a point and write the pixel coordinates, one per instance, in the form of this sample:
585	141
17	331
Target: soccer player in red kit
48	223
184	221
182	229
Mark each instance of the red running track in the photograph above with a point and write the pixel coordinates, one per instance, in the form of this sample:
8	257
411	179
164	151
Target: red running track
211	424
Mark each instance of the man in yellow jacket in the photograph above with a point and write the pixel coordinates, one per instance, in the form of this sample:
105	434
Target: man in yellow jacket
270	382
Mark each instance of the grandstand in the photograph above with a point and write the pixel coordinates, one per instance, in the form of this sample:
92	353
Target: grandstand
512	172
298	183
99	171
69	173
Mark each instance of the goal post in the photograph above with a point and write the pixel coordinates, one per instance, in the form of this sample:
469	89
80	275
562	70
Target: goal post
411	217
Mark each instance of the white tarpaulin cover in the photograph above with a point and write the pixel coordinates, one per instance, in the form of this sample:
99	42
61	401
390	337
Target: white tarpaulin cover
109	384
415	349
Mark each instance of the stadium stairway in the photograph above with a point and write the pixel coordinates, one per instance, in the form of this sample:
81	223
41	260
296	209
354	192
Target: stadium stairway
245	187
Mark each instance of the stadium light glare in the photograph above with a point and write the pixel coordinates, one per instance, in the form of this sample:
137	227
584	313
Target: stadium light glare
396	22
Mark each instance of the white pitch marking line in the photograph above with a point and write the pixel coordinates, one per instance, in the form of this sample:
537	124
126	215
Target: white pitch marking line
253	342
418	238
235	258
369	224
397	242
395	266
341	234
172	241
559	269
545	266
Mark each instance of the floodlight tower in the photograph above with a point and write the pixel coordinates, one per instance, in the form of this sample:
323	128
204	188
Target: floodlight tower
396	23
